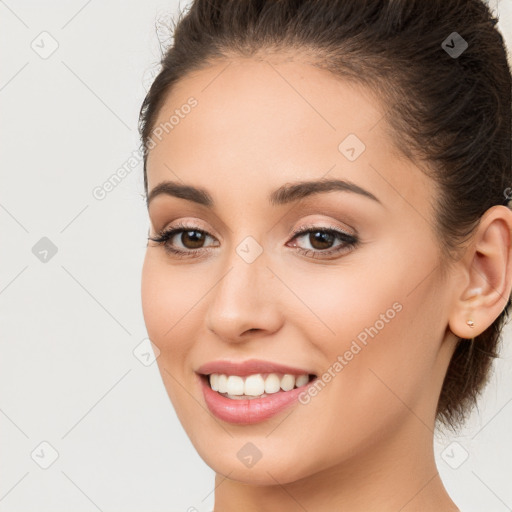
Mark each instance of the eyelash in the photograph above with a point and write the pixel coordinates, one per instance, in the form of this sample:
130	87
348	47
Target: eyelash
164	236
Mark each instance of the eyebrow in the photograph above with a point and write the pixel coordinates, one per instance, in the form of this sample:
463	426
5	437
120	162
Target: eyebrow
287	193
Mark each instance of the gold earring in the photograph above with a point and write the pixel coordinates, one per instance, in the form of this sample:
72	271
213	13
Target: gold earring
471	323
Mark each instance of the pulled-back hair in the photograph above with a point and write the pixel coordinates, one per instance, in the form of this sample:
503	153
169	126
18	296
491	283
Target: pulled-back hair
449	114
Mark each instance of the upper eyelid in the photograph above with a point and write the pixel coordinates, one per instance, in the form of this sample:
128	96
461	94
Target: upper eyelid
320	227
183	226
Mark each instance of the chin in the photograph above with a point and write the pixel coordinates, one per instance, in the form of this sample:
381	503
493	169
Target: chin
247	460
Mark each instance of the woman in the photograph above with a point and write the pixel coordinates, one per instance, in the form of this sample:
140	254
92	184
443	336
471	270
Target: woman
329	259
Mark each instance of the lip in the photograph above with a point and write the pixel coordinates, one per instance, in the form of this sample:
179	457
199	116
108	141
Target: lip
255	410
249	367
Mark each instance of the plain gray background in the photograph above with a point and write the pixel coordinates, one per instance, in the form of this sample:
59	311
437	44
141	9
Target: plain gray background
72	79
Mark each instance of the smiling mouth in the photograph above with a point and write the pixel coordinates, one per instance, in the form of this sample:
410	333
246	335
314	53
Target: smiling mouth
258	385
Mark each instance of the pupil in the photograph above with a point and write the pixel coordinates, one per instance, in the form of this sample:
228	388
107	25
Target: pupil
325	239
195	243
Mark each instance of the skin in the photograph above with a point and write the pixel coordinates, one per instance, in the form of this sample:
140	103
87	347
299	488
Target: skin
365	442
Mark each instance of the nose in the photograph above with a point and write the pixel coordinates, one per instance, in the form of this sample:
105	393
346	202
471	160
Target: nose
245	300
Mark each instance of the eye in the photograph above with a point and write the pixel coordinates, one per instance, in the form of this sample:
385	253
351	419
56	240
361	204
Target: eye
322	238
192	239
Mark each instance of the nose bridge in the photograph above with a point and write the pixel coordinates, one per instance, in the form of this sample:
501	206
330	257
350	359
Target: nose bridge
246	272
242	298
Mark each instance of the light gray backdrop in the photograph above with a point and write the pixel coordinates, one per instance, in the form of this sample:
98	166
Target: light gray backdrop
85	421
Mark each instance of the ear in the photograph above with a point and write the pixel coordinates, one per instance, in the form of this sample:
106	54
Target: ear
487	275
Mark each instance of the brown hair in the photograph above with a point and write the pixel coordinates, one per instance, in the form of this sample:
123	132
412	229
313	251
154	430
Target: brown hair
449	113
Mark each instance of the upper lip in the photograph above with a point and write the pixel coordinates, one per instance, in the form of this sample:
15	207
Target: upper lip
248	367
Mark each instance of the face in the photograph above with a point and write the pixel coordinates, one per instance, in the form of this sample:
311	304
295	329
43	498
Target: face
357	303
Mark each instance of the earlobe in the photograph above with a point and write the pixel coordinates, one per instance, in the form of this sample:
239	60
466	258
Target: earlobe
465	323
488	275
474	296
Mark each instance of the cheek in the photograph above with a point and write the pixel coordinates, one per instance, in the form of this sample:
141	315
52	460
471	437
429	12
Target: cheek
370	327
155	300
165	307
166	299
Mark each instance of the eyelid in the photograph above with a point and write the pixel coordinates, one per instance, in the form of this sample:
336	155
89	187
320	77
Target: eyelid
195	223
188	223
318	225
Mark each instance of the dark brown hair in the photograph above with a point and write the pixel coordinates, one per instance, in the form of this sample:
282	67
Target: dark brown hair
449	114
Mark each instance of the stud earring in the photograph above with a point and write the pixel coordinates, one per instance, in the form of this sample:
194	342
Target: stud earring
471	323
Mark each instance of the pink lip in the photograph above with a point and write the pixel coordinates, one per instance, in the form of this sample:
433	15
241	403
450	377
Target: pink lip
244	412
249	367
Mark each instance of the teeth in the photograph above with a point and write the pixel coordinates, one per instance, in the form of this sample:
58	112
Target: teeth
287	382
301	380
235	385
272	383
222	384
214	381
255	385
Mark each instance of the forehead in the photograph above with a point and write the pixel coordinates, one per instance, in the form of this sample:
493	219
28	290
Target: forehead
249	102
261	123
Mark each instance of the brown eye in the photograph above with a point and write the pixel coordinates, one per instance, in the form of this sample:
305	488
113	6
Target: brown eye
192	239
189	240
321	242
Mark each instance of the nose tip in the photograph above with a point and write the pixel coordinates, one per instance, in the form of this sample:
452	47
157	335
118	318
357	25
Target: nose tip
240	299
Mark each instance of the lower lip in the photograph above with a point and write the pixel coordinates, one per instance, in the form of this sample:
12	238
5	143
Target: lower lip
244	412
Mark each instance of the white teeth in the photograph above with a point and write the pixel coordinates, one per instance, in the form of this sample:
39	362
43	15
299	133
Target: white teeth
214	381
287	382
272	383
255	385
301	380
222	383
235	385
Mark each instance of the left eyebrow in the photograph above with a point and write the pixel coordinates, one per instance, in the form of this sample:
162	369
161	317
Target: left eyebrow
290	192
287	193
